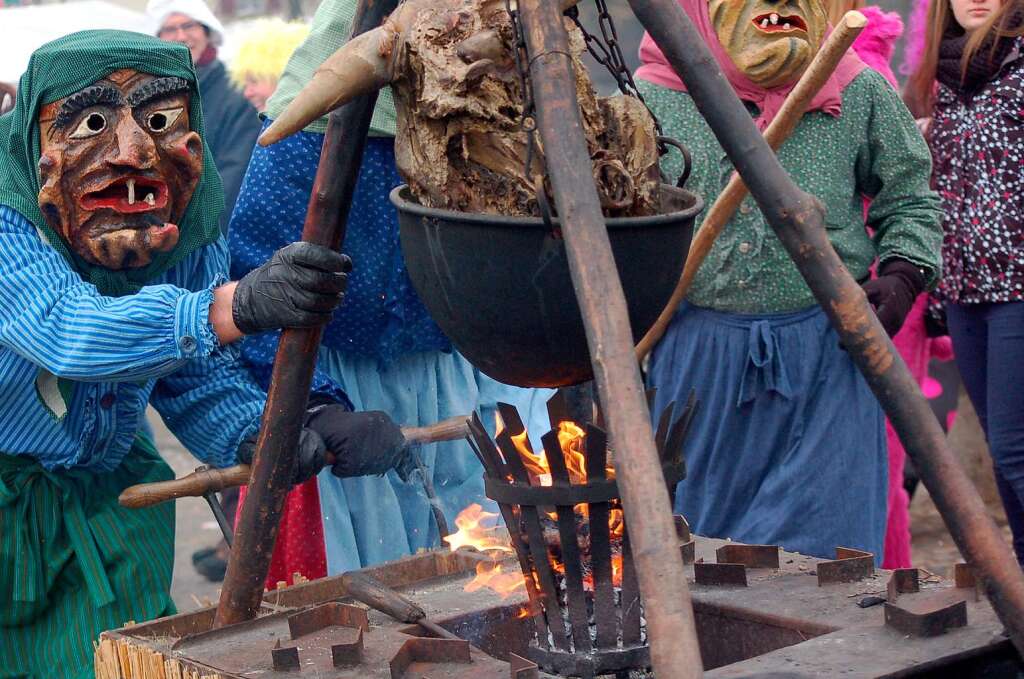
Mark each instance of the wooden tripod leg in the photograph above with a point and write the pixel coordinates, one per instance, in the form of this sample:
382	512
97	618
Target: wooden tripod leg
659	565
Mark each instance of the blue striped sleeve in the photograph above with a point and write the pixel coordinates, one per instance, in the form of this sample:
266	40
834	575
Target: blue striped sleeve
54	319
211	404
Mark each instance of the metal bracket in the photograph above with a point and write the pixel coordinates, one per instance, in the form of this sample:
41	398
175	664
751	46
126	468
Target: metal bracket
849	565
521	668
342	626
903	581
425	649
720	574
689	552
751	556
926	618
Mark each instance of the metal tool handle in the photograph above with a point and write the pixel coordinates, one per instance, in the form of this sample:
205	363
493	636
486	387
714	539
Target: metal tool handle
200	483
380	597
788	117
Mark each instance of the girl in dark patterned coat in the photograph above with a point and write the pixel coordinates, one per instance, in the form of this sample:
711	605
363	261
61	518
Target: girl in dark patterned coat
974	52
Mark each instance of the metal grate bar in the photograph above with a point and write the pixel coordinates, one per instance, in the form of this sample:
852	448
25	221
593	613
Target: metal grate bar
530	520
575	595
595	447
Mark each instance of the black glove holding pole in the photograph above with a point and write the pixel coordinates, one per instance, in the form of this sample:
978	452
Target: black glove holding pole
362	443
309	458
298	287
892	294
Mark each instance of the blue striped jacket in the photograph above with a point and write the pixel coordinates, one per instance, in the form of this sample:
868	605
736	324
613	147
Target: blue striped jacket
77	369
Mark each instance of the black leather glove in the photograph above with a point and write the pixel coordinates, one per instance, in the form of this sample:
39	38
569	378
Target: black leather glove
298	287
892	294
309	459
363	443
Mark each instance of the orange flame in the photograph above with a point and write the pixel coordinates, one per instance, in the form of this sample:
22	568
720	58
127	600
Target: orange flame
570	439
472	522
490	574
477	530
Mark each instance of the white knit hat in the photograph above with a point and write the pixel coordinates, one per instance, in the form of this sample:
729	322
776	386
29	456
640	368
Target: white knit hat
159	10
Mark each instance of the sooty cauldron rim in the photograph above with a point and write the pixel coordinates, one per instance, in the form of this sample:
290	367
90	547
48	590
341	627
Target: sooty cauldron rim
401	197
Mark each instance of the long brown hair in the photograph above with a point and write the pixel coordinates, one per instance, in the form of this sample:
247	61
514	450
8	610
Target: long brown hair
837	8
920	90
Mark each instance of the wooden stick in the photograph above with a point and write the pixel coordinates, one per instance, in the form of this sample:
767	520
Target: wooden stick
671	626
199	483
778	131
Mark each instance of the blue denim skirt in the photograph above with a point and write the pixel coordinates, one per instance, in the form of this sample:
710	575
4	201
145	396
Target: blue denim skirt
788	445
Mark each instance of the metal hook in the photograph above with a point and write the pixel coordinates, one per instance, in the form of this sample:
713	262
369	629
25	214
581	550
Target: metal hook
687	159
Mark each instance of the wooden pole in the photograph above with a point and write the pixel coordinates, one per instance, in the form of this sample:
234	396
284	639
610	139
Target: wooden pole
666	596
778	131
274	459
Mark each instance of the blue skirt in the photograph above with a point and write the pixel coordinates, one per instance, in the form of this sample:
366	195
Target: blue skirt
788	444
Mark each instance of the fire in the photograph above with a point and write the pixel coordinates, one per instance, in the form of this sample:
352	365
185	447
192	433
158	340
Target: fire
477	528
570	439
490	574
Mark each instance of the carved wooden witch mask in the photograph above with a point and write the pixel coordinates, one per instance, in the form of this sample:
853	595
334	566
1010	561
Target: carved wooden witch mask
771	41
118	167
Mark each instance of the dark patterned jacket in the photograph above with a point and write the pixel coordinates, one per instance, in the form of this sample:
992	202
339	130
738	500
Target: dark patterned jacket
978	150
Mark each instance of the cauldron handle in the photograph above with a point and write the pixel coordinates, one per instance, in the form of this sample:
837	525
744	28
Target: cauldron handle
544	205
664	141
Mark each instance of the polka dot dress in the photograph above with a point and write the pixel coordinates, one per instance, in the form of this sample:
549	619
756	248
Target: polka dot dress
381	315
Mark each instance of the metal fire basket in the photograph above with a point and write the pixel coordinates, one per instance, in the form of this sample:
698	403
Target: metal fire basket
584	624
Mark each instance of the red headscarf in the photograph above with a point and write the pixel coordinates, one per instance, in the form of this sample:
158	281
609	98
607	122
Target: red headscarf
655	68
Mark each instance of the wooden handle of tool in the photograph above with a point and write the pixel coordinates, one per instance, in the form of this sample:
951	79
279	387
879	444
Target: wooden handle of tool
452	429
200	483
196	484
788	117
380	597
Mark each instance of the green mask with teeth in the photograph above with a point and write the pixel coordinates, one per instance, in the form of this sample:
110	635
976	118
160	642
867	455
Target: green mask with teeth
771	42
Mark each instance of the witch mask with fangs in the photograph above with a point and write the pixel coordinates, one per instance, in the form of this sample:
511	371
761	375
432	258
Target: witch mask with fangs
118	166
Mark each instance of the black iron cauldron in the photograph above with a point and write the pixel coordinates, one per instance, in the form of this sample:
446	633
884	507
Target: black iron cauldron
499	287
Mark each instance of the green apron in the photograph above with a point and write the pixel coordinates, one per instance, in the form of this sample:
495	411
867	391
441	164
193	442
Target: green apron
74	563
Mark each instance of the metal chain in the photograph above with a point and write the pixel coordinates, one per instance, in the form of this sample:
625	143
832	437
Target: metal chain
607	52
528	120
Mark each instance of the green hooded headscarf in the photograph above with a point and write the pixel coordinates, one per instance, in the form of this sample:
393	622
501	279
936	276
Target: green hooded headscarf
61	68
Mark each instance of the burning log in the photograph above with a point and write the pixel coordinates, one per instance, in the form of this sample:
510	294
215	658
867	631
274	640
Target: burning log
461	142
